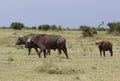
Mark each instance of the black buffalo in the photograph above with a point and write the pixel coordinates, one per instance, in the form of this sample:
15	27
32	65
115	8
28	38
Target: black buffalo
23	40
45	41
105	46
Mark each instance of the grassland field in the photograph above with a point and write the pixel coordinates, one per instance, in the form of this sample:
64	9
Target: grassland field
85	63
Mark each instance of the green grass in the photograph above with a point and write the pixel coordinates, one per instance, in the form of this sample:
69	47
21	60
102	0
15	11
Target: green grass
84	64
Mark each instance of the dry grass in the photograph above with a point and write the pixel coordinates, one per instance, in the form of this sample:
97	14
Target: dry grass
84	64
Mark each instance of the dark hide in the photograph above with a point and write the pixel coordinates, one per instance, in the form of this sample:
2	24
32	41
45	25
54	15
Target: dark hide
44	41
23	40
105	46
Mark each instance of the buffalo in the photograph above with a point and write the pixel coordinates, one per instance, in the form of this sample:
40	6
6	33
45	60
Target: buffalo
23	40
45	41
105	46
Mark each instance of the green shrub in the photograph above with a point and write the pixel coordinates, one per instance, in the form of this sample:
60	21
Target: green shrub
17	25
88	31
114	27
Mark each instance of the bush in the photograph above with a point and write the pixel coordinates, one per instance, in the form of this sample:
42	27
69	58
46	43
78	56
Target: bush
87	31
33	27
50	27
114	27
44	27
17	25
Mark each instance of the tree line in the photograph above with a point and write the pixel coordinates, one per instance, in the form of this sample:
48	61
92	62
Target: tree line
113	27
19	26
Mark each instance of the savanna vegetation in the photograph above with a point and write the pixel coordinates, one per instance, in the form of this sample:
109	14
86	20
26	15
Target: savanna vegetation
85	63
114	27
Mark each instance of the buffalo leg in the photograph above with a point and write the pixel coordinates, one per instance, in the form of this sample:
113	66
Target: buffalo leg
100	52
104	53
36	50
42	49
44	52
59	51
111	52
65	51
48	51
39	54
29	50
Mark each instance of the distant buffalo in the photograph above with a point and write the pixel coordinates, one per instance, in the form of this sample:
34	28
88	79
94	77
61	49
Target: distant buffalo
45	41
105	46
23	41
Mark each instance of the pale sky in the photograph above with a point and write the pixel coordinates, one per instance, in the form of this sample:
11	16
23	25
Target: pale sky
67	13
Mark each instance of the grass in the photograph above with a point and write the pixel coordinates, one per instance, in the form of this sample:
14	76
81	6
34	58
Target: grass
84	64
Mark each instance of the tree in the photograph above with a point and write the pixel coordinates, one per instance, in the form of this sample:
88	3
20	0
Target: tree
33	27
60	28
114	27
17	25
54	27
88	31
44	27
50	27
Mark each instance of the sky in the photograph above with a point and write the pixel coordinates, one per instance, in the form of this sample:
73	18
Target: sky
67	13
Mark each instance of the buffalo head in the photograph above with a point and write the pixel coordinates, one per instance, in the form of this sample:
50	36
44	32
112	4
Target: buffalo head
20	41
